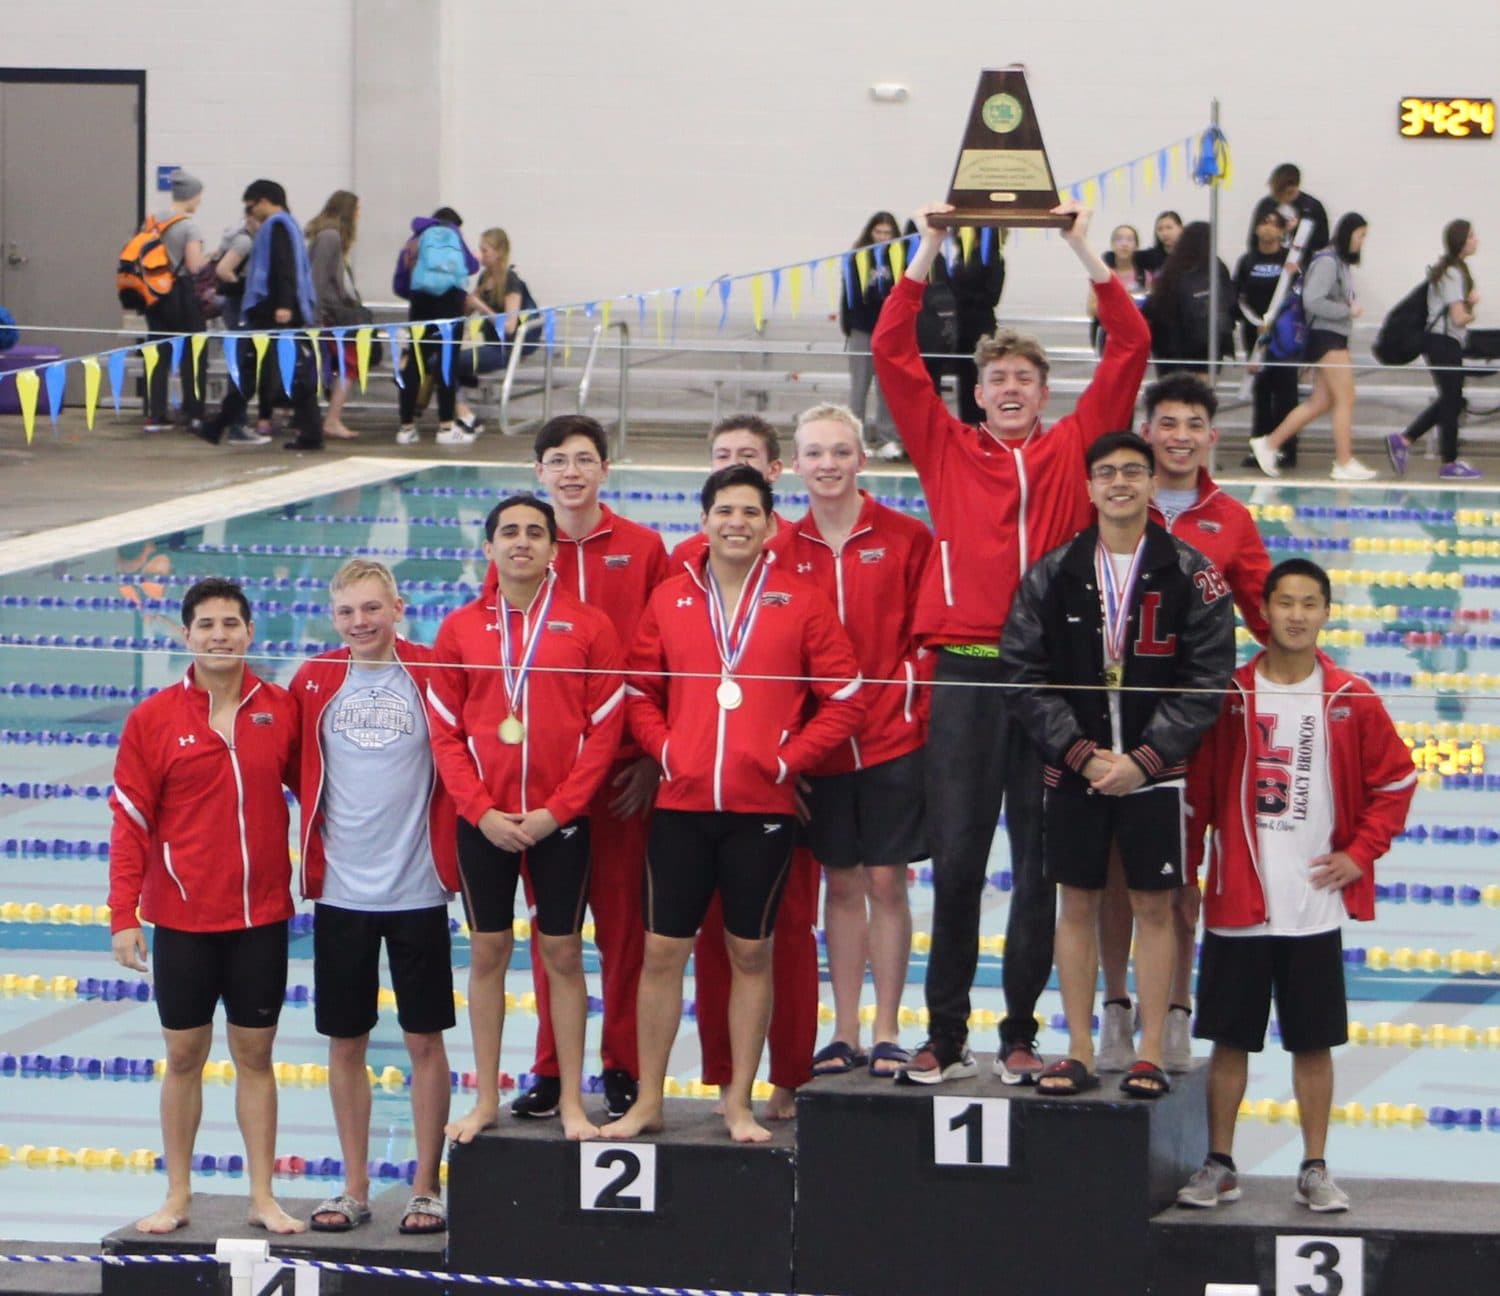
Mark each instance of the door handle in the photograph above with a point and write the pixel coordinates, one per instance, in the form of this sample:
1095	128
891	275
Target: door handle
13	256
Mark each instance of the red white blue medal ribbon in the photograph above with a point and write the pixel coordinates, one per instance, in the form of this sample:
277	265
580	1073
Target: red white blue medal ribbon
532	630
1115	599
732	632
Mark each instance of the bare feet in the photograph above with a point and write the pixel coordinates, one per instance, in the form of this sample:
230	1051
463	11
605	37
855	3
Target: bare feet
482	1117
172	1216
339	432
269	1216
576	1125
640	1119
743	1127
782	1104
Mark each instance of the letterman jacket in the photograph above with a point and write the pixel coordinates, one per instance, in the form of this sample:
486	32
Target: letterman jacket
872	583
744	761
571	709
314	686
997	507
1180	636
199	840
1370	771
1221	528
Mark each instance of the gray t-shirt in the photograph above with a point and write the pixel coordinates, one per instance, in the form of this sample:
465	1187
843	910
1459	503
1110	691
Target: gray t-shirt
1446	292
178	236
1173	502
377	781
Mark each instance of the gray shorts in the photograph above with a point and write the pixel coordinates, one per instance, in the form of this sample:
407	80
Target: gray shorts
875	816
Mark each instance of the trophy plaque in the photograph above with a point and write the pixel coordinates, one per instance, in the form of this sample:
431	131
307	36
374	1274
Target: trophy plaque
1002	176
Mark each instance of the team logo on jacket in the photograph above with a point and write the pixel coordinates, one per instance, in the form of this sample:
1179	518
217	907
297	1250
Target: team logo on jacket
560	627
310	685
804	567
1211	584
685	601
373	718
1338	713
617	560
262	718
1212	527
187	740
775	598
871	555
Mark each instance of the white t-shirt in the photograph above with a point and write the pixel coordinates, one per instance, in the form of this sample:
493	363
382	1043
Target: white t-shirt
1293	809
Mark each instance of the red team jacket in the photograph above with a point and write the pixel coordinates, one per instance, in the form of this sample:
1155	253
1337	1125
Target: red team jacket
199	840
573	719
1221	528
1371	773
314	686
971	478
743	761
872	585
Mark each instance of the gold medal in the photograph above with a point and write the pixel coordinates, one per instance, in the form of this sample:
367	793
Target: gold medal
1114	675
512	731
729	694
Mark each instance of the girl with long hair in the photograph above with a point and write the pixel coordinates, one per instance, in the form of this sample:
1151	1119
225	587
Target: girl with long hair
857	318
330	239
1178	306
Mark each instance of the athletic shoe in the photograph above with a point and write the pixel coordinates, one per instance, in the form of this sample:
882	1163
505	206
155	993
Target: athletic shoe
1018	1063
540	1101
620	1091
240	435
1352	471
1211	1184
212	432
1398	451
455	436
474	425
891	452
1317	1191
1176	1042
407	436
1116	1050
938	1060
1459	470
152	425
1265	457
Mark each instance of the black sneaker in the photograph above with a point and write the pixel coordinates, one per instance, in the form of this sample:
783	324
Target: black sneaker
620	1090
540	1101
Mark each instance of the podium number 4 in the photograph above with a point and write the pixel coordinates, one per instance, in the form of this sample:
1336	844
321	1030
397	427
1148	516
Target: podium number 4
617	1177
1320	1266
971	1131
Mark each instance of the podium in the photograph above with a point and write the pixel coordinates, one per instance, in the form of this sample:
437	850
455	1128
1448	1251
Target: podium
684	1208
1398	1237
971	1186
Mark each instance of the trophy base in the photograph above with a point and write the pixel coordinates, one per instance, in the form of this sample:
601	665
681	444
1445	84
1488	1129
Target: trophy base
1038	218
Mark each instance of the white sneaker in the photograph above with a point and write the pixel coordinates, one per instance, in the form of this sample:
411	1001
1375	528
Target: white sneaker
1265	457
1317	1191
890	452
407	436
1352	471
1176	1042
455	436
1116	1051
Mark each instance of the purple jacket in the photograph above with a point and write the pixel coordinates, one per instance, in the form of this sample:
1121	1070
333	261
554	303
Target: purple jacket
407	257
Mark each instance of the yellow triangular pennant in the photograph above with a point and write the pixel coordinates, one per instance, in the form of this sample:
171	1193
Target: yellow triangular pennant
199	341
90	389
362	356
417	330
27	384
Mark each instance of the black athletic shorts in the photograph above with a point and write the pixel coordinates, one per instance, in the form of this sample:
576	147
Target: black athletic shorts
346	969
691	854
1320	342
246	968
1239	975
558	867
1078	828
874	816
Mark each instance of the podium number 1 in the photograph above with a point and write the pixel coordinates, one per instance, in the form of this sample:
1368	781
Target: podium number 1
617	1177
971	1131
1320	1266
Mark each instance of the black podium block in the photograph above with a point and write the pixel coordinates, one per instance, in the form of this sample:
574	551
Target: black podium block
686	1208
1399	1238
973	1186
221	1215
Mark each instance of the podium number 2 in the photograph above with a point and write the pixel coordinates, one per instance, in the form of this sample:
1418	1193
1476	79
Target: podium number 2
971	1131
1314	1266
617	1177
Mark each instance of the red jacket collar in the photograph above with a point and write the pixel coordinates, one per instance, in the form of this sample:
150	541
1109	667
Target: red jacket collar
808	525
249	681
1334	676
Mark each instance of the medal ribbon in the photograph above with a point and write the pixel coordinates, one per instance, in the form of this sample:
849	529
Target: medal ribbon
515	676
731	646
1114	600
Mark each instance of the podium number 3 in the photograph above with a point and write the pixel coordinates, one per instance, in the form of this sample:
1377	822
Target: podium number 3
617	1177
1313	1266
971	1131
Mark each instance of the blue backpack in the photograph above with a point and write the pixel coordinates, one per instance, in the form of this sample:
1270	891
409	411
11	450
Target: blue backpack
1287	339
440	266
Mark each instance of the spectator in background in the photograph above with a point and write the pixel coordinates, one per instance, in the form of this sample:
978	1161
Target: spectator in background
1178	308
859	309
330	239
502	294
1331	307
1451	306
1168	229
178	311
1286	196
1124	244
1274	387
975	284
230	263
432	273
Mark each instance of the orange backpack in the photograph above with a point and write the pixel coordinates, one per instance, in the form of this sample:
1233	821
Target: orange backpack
145	274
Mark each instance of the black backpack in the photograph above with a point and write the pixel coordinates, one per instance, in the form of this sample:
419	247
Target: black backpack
1399	341
937	322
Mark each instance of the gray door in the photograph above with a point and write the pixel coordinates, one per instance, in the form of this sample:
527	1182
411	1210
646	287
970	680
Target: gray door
69	186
